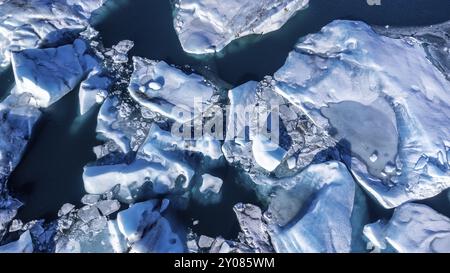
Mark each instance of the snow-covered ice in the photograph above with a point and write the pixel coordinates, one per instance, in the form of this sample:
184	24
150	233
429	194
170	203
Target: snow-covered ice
93	90
414	228
49	74
169	91
373	94
23	245
207	26
210	184
322	197
33	23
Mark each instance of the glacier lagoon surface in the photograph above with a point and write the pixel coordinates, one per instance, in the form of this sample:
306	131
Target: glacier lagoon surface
62	142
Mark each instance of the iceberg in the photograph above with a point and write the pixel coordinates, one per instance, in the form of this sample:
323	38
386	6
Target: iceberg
312	211
93	90
29	24
155	163
414	228
207	26
49	74
169	91
23	245
265	133
358	85
147	230
256	234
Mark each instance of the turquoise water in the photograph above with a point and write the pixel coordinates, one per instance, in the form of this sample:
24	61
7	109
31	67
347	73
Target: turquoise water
50	173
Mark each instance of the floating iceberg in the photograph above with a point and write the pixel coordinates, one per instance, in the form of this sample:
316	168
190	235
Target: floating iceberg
383	100
49	74
33	23
23	245
413	228
93	90
147	231
169	91
266	133
207	26
312	211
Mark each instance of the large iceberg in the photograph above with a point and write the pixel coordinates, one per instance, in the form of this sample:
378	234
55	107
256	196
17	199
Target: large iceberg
413	228
383	100
169	91
49	74
312	211
207	26
33	23
265	133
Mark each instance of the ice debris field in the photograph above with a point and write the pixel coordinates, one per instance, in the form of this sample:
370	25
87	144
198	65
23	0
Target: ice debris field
363	118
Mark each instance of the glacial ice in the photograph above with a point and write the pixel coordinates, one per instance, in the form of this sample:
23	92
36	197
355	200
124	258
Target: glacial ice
207	26
23	245
255	109
414	228
255	231
93	90
359	86
147	231
210	184
322	197
33	23
169	91
155	163
49	74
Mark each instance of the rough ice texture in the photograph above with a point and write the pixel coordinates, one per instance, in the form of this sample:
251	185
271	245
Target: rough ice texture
255	231
293	144
312	212
49	74
147	231
156	162
169	91
207	26
23	245
211	184
413	228
33	23
93	90
374	93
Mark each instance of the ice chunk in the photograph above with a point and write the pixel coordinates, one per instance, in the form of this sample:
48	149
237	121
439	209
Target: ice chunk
90	199
414	228
93	90
359	86
255	230
205	241
34	23
88	213
321	196
207	26
108	207
132	222
267	154
49	74
266	133
179	96
210	184
65	209
147	231
23	245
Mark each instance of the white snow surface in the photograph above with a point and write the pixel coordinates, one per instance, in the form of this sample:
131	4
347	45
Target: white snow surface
378	93
32	23
414	228
169	91
326	192
207	26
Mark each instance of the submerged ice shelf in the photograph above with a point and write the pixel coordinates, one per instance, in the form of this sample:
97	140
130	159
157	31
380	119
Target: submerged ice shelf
349	113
